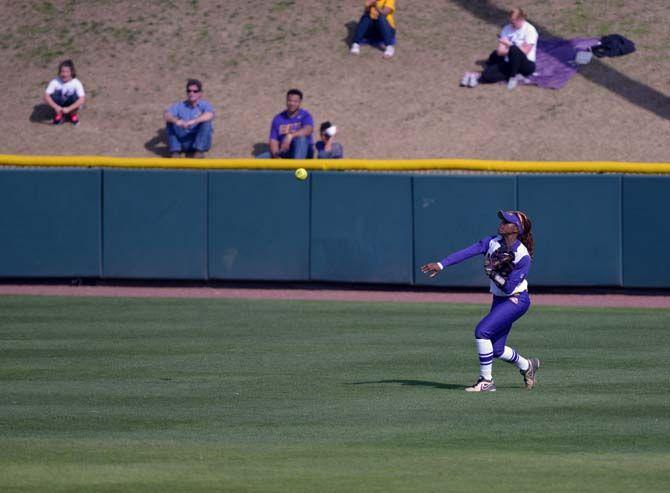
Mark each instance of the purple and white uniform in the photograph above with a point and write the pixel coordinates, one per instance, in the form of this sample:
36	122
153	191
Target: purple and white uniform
510	302
516	282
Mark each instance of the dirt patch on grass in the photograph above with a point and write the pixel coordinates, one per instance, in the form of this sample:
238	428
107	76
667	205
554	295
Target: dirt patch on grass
331	294
134	60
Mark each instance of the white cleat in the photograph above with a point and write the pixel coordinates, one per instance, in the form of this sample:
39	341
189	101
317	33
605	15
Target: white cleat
355	49
482	385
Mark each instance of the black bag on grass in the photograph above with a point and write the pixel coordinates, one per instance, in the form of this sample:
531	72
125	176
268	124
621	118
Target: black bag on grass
613	45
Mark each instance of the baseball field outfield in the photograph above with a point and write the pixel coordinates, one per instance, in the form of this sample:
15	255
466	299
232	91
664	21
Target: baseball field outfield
121	394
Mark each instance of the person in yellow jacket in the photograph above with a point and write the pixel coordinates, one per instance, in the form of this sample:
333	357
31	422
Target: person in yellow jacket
376	24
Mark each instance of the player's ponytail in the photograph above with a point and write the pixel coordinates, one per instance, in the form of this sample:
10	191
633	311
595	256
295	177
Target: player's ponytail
527	237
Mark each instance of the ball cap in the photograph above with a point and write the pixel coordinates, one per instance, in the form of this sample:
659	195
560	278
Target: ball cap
511	217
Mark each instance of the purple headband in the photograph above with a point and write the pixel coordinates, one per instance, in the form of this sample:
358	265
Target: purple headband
510	217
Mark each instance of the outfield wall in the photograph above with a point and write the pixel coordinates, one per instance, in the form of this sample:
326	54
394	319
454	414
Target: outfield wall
591	230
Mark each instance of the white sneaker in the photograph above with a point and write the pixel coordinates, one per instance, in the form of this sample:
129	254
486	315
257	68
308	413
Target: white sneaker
355	49
513	81
473	81
465	80
482	385
389	51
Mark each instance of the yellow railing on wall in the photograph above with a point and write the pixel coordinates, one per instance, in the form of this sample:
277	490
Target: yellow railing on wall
339	164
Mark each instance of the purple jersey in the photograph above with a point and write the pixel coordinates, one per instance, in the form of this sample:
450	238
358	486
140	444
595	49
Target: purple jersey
282	125
515	282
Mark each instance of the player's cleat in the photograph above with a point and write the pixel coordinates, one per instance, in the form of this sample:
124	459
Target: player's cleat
355	49
389	51
529	374
58	119
75	120
482	385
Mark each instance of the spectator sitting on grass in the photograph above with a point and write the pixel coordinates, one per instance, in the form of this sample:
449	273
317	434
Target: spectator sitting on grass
515	56
291	131
327	148
65	94
189	123
376	24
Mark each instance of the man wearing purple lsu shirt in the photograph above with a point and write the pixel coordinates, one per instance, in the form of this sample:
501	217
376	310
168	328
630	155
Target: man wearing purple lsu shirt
291	131
514	243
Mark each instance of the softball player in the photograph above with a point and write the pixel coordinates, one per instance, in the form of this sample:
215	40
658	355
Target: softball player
507	262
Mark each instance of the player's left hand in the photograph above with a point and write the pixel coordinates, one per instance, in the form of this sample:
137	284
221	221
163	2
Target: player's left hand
431	269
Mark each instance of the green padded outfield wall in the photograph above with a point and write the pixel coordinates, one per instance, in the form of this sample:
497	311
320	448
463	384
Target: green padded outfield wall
50	223
155	224
258	226
646	231
591	230
361	227
451	213
577	229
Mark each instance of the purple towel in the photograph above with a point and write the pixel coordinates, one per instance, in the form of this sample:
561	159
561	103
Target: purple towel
556	60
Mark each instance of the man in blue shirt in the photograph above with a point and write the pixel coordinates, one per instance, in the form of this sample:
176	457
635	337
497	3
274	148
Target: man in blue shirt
189	123
291	131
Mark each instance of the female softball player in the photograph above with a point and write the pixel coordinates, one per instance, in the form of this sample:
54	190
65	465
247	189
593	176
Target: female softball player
507	262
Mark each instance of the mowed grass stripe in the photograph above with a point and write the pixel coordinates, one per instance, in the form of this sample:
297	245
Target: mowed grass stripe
239	395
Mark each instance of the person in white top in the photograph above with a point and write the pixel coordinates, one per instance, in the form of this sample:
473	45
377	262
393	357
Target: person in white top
65	94
514	57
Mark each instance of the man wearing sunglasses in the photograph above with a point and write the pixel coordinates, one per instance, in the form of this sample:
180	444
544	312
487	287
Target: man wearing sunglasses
189	123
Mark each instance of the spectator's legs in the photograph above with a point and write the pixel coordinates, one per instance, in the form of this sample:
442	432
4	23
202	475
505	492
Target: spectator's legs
385	29
495	69
59	100
363	26
74	118
516	56
495	59
519	63
300	149
203	137
175	136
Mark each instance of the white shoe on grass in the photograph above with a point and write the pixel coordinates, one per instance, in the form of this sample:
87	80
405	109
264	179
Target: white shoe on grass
389	51
482	385
514	81
355	49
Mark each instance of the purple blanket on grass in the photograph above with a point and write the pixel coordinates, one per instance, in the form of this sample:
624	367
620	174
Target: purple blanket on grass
556	60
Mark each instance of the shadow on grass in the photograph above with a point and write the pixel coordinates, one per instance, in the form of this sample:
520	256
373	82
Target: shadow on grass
599	73
351	32
416	383
260	148
158	143
42	113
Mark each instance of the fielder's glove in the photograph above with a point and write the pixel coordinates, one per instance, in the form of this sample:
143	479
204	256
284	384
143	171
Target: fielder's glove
498	266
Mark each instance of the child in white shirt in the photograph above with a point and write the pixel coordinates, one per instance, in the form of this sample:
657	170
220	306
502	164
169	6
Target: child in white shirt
65	94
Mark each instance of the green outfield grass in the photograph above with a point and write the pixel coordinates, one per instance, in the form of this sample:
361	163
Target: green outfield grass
218	395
